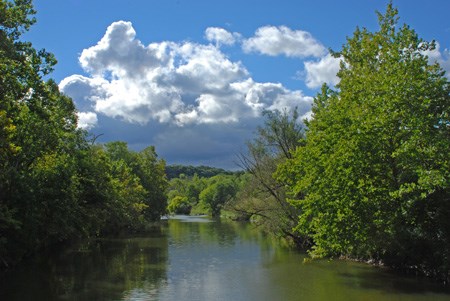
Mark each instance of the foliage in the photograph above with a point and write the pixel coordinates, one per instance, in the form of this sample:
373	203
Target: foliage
221	190
262	198
372	180
184	192
201	195
38	140
176	170
151	172
179	205
56	185
114	193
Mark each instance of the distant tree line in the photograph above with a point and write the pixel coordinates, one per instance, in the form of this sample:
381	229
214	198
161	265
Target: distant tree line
176	170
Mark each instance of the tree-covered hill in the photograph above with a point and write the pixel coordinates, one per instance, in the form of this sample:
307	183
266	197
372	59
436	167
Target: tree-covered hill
175	170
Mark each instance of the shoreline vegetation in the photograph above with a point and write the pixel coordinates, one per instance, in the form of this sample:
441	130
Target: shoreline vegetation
366	178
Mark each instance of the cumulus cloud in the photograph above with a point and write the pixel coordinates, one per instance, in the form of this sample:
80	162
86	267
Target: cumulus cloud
87	120
322	71
271	96
221	36
176	83
273	40
245	100
441	57
188	99
119	54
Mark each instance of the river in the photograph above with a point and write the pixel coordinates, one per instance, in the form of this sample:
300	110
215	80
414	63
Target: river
195	258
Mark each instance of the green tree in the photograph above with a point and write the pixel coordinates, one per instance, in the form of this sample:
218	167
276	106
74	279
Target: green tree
146	183
151	172
372	180
118	151
55	184
95	188
179	205
263	198
183	193
39	141
140	183
128	205
221	190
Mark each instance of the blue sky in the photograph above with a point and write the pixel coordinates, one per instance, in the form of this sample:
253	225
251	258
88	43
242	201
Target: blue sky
192	77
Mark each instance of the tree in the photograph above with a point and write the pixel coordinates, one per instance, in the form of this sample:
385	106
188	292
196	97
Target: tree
175	171
146	176
38	139
55	184
179	205
128	205
372	180
183	193
263	198
118	151
151	172
221	190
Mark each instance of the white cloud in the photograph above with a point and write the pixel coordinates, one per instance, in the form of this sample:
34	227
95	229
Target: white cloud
174	83
82	88
87	120
272	96
221	36
120	54
272	40
188	99
441	57
325	69
322	71
201	69
243	101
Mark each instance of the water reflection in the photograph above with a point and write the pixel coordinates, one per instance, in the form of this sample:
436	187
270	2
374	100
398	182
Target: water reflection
107	269
194	258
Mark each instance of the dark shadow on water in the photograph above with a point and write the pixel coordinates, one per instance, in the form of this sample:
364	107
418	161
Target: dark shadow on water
103	269
390	281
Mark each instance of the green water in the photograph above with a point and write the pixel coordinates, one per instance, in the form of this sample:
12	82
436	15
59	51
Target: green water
193	258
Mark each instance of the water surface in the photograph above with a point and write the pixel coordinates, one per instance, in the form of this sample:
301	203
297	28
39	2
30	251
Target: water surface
194	258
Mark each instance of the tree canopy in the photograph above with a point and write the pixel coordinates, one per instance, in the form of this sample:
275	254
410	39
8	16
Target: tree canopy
55	184
176	170
372	180
262	199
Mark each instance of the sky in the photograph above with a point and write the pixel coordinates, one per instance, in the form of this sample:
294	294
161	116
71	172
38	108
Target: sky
192	77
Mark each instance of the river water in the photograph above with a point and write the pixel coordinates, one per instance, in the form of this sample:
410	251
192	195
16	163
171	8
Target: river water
194	258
